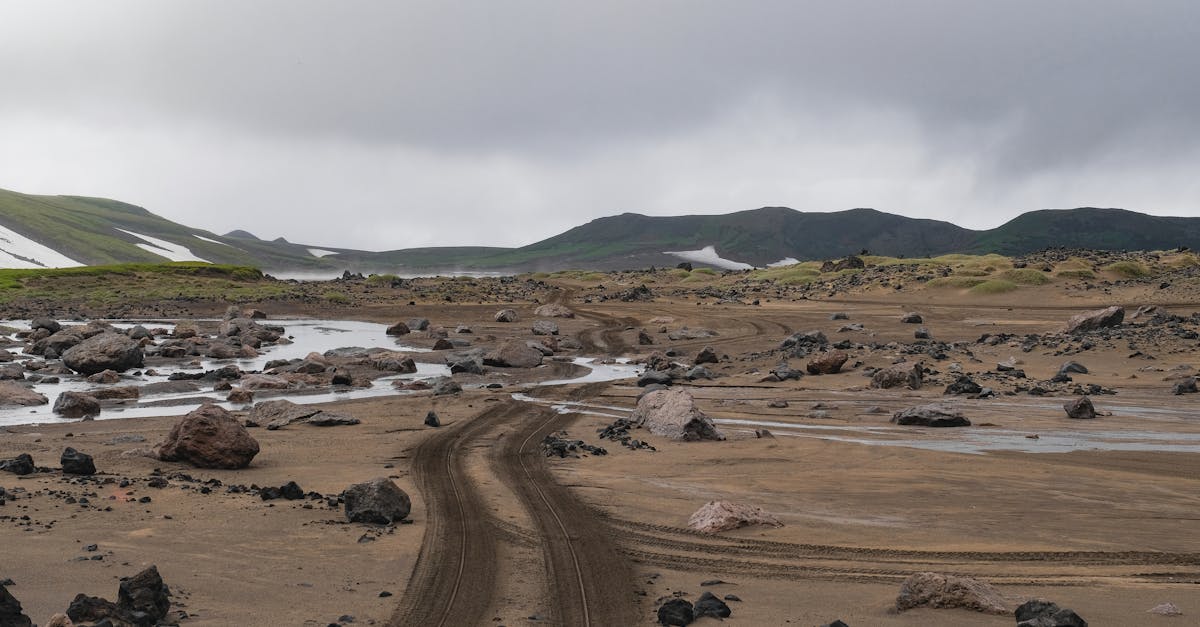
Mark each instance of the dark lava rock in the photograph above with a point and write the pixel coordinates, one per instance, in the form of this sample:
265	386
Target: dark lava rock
1080	408
652	377
86	609
76	463
836	623
431	419
1073	367
964	385
677	612
912	317
903	373
291	491
1039	613
209	437
706	356
11	613
398	329
144	596
377	501
76	405
49	324
106	351
827	363
709	605
1092	320
931	416
445	385
20	465
1187	386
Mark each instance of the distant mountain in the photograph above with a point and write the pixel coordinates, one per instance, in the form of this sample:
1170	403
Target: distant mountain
52	231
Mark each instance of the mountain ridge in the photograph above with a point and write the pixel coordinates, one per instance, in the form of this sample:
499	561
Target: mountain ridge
91	231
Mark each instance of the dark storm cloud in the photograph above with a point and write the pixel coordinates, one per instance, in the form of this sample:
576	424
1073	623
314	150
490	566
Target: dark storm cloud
561	111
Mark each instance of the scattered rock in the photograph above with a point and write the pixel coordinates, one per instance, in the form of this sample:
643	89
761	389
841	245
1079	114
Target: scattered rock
13	393
1040	613
1080	408
1187	386
513	353
901	374
1166	609
277	413
20	465
330	419
554	310
544	327
209	437
962	386
1092	320
947	591
76	463
673	414
827	363
76	405
398	329
442	386
709	605
676	612
706	356
11	613
105	377
378	501
506	315
912	317
432	420
1073	367
932	415
718	516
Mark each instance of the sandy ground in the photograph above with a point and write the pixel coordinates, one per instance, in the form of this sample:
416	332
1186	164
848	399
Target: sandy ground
1107	533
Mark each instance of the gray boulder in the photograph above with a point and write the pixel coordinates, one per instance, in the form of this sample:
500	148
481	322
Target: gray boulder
673	414
209	437
76	405
106	351
932	415
1098	319
378	501
1080	409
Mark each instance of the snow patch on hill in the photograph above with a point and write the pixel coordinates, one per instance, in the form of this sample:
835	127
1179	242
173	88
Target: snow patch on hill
18	251
786	261
321	252
163	248
708	256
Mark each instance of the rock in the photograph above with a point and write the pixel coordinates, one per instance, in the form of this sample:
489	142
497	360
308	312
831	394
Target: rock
836	623
49	324
139	332
240	396
554	310
709	605
673	414
86	609
254	382
644	339
1080	408
278	412
839	315
145	594
676	612
12	372
442	386
1092	320
706	356
378	501
912	317
1187	386
1073	367
470	362
849	263
513	353
763	434
698	372
932	415
59	620
827	363
506	315
398	329
209	437
330	419
432	420
13	393
1041	613
105	376
20	465
805	340
76	405
922	333
545	327
1165	609
939	591
11	613
903	373
963	385
784	372
718	516
76	463
106	351
654	377
418	324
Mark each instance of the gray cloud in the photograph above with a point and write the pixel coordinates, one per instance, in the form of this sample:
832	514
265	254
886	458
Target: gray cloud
480	122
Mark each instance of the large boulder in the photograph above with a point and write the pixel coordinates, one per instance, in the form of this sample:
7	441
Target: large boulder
545	327
278	413
709	605
1092	320
145	596
932	415
398	329
13	393
106	351
717	516
673	414
1080	408
20	465
513	353
209	437
378	501
676	613
901	374
77	463
76	405
11	613
506	315
828	363
940	591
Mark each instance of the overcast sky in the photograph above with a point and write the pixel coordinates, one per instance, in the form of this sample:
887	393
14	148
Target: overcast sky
386	124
